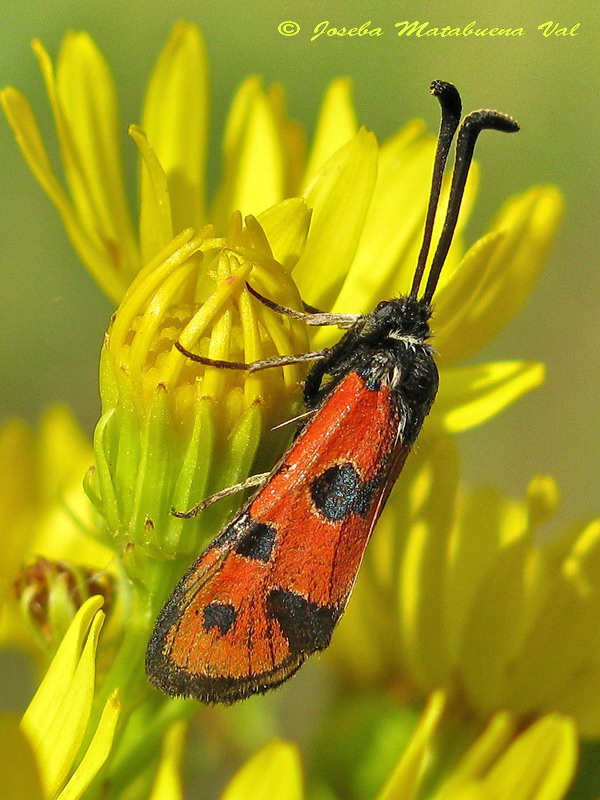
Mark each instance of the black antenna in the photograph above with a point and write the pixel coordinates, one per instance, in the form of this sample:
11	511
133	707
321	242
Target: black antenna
451	105
470	129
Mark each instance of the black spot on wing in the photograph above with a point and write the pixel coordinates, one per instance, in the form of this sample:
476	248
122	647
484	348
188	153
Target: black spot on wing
218	615
257	544
339	490
335	490
306	626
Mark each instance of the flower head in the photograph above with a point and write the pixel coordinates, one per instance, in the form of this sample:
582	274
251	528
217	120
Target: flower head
166	421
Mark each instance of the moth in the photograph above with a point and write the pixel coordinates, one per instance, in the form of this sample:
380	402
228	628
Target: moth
271	587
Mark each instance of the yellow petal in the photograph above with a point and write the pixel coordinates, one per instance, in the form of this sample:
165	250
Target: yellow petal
536	764
167	783
286	227
386	254
339	196
469	396
579	554
254	163
405	781
57	717
64	456
539	765
176	121
494	631
528	225
293	140
19	771
469	791
97	752
581	699
481	755
42	506
336	126
362	625
156	229
88	125
275	771
64	451
560	646
453	297
543	499
22	121
473	557
425	513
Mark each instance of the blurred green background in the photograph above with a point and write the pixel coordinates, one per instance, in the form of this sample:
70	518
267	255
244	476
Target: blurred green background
53	317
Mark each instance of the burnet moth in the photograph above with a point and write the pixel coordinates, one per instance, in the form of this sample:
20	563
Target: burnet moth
270	589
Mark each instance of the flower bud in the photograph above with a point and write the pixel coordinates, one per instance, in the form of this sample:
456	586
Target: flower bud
174	431
51	592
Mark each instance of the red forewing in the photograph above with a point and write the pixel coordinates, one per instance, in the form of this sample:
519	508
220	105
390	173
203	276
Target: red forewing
270	589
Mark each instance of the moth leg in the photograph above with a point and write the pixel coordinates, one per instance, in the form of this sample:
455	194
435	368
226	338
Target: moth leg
254	366
312	384
311	315
340	355
313	391
253	480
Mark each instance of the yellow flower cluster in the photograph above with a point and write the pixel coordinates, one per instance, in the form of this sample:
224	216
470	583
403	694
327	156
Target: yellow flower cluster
476	600
502	764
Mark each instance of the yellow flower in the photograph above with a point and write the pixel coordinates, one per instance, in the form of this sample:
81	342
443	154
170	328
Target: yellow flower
55	723
460	591
44	512
503	763
275	771
367	201
500	760
349	237
167	784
